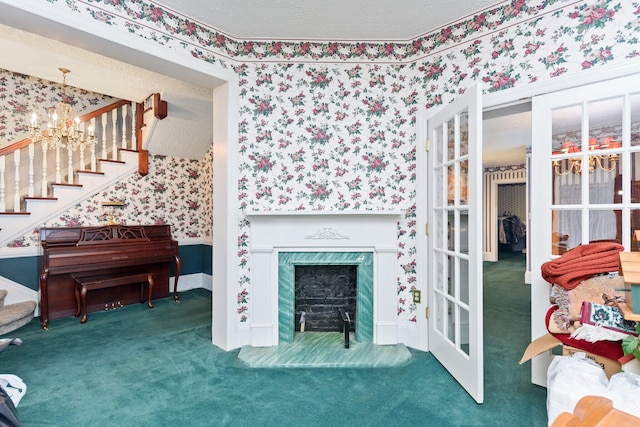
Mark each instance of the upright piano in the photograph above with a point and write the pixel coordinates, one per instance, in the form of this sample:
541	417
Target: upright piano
70	252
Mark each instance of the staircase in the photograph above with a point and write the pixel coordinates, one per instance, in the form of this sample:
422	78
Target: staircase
114	157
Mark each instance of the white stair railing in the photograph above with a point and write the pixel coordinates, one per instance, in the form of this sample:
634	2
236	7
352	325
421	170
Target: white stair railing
58	171
26	176
16	163
104	135
123	140
32	154
43	188
93	148
114	142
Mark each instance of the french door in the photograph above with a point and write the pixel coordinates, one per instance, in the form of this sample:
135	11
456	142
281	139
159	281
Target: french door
454	187
585	180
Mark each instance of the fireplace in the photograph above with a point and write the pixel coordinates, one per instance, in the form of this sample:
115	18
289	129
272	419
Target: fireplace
320	292
287	261
280	241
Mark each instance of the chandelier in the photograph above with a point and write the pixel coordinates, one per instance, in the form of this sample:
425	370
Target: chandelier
604	162
63	129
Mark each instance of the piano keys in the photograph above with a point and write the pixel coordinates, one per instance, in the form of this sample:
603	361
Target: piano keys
70	252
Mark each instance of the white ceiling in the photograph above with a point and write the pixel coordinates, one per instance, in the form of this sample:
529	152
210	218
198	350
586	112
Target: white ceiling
336	20
189	101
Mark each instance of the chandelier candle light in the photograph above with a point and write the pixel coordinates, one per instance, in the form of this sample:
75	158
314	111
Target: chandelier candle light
604	162
62	131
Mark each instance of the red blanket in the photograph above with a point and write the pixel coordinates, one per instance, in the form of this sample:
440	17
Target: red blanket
582	262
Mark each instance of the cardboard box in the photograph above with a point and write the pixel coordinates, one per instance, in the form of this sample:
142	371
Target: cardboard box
548	342
539	346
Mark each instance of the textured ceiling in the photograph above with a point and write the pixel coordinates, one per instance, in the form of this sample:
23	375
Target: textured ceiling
337	20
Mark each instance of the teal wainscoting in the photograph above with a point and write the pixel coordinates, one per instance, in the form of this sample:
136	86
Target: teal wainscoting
25	270
195	259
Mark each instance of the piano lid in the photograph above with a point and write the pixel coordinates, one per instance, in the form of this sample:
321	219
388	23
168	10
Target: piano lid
109	234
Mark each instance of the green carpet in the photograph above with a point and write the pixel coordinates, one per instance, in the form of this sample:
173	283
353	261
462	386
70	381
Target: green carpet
141	367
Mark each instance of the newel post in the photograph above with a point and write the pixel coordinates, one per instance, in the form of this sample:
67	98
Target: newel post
143	155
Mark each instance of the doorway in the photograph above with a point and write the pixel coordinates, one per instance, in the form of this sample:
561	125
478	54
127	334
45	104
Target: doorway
505	158
512	211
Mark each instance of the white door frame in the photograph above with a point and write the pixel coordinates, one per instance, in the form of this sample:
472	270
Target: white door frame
491	207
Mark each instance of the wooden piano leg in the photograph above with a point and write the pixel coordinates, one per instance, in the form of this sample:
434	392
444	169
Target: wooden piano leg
175	283
44	299
83	304
150	280
76	289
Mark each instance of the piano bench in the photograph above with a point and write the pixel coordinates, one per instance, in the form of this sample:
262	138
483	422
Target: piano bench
88	283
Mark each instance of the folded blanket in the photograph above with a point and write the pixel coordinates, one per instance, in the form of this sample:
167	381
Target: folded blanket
582	262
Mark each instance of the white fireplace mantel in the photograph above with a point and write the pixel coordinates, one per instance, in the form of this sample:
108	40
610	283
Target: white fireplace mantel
313	228
273	232
323	213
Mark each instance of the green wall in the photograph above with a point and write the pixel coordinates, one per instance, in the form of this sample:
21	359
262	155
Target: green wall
24	270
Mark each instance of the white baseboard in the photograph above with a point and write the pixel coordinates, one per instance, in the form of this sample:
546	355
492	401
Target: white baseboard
409	335
192	281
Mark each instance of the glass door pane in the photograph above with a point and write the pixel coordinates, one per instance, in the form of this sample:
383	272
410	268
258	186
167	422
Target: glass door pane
584	179
455	336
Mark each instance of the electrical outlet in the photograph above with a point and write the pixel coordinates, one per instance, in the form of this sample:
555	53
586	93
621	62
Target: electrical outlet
417	297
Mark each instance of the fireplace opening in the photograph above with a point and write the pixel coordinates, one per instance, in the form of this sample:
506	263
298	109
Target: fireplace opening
320	292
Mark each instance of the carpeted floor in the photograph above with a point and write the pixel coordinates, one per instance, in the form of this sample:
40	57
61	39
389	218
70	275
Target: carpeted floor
325	350
141	367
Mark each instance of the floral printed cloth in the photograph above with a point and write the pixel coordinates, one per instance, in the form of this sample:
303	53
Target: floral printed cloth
607	317
603	323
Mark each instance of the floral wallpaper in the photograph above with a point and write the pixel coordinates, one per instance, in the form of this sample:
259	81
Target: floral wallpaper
330	125
170	194
341	136
167	27
19	94
329	137
205	195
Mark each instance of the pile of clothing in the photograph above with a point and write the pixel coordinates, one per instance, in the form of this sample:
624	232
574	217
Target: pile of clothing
586	288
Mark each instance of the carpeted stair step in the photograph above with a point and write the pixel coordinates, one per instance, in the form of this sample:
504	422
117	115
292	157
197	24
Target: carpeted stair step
13	316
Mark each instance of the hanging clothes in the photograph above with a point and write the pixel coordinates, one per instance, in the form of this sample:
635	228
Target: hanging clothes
510	229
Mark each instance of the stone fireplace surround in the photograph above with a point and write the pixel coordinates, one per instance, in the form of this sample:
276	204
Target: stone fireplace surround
317	232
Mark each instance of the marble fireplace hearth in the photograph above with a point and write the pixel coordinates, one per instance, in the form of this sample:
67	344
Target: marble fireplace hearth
282	240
